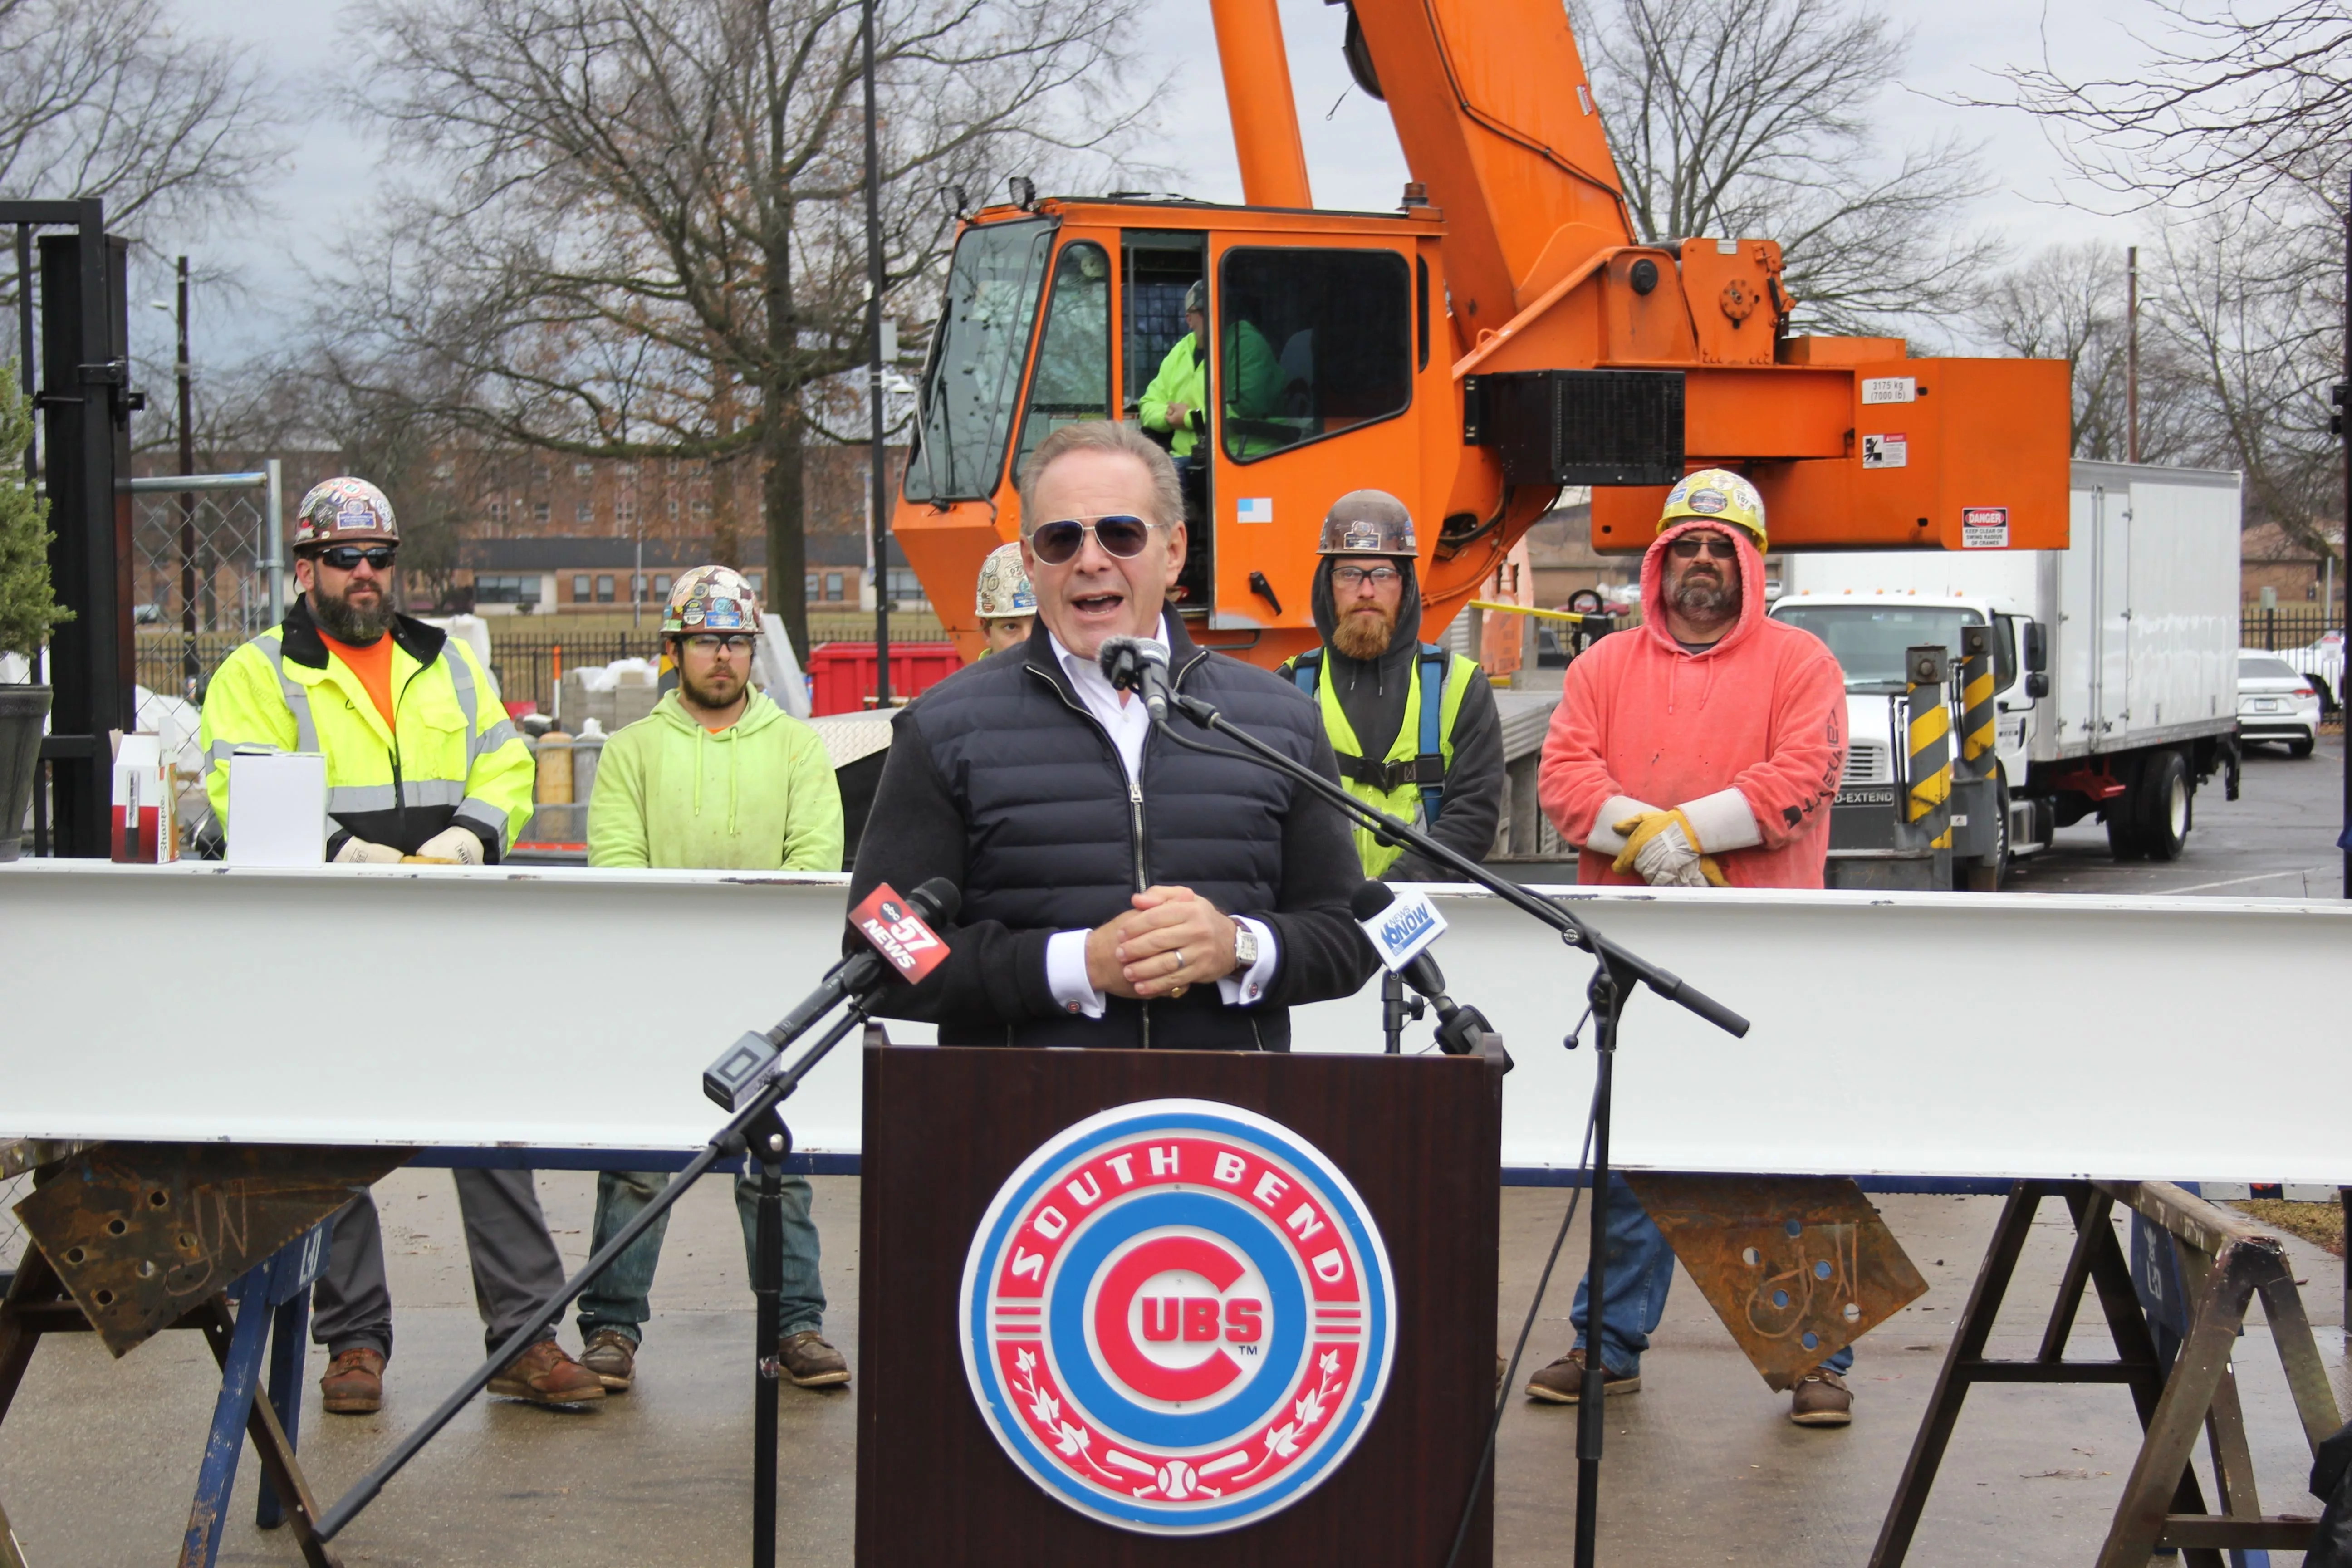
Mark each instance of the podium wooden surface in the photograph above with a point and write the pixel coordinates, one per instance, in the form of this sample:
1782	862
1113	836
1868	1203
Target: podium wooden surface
1419	1139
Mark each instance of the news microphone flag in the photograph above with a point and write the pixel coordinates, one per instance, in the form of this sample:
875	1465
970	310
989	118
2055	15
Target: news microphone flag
1400	932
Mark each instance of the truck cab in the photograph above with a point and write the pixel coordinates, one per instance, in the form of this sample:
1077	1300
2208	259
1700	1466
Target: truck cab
1870	634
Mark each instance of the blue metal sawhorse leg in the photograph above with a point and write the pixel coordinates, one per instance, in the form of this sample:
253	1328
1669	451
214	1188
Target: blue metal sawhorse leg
271	1294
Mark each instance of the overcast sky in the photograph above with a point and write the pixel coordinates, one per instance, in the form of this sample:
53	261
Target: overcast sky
1352	158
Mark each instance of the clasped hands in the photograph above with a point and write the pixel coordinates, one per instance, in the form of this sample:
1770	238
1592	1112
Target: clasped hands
1663	850
1171	940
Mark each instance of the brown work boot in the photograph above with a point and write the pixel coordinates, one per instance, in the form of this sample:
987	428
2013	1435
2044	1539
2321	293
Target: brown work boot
612	1355
1562	1382
811	1363
354	1383
545	1375
1821	1399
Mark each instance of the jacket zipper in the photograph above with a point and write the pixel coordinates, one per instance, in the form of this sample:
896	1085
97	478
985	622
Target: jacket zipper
399	789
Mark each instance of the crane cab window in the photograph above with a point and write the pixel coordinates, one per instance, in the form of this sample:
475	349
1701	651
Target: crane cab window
973	382
1072	382
1311	343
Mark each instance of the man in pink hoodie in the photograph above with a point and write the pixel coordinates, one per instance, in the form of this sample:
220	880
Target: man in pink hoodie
1702	748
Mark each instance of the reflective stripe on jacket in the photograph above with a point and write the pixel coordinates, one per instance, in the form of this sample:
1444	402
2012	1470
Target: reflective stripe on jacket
1397	784
456	757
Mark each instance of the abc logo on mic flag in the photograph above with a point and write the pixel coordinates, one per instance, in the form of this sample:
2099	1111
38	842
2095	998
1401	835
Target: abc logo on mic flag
1178	1317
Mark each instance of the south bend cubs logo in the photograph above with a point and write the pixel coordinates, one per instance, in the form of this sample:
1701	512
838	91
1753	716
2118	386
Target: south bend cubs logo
1178	1317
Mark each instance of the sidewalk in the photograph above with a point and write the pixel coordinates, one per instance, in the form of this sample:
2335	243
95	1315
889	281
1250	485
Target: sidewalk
98	1459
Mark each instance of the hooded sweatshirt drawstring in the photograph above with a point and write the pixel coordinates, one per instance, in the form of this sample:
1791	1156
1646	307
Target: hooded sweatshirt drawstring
734	773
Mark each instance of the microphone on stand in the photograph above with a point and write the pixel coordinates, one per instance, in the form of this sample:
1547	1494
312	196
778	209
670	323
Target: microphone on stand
1139	665
1400	926
900	943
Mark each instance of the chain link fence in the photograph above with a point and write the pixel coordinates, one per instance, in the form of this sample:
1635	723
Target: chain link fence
204	561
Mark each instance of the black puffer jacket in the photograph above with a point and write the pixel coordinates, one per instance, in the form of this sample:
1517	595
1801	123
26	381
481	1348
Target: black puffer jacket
999	779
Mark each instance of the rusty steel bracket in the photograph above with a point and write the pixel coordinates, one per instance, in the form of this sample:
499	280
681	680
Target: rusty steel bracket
1797	1267
140	1234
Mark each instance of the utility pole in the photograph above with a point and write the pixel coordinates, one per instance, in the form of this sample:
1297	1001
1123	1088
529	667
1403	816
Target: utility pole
189	666
874	384
2131	355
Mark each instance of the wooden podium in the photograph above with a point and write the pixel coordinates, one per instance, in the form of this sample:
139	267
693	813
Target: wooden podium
1417	1139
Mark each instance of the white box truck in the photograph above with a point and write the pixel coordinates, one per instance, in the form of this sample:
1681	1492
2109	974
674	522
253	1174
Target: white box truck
2116	665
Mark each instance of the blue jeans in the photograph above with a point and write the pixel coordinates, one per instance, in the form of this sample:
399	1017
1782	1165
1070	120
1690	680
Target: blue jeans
1641	1270
618	1299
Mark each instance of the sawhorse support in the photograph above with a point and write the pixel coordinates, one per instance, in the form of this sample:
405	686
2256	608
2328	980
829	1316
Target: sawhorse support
2162	1506
273	1294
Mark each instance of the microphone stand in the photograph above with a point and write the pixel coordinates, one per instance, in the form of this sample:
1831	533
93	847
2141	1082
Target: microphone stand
1615	974
755	1129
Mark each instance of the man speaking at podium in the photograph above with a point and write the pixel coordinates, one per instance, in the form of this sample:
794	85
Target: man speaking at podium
1119	889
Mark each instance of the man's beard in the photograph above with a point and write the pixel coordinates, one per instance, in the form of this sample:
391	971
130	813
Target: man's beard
344	622
1364	634
703	697
1705	599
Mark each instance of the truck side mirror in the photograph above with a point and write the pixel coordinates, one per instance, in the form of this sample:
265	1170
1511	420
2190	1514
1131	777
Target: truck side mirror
2037	655
2037	683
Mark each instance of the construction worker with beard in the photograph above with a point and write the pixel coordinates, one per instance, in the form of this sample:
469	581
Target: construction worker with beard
423	763
716	776
1007	604
1414	727
1700	749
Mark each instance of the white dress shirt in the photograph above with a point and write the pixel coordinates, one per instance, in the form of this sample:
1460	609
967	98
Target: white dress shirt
1124	717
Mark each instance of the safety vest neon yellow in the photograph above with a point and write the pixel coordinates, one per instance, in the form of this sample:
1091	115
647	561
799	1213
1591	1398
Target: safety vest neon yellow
1410	782
455	758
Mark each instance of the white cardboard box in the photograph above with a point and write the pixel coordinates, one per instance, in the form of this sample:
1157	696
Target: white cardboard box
276	808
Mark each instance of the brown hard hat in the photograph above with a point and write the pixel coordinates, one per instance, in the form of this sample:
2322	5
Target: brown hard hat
1368	522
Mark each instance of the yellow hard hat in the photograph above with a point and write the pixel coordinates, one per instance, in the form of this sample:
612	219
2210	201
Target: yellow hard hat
1716	495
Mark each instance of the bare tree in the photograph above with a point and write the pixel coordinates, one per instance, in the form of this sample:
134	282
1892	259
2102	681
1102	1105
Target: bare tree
640	233
105	98
1749	117
2235	99
2073	302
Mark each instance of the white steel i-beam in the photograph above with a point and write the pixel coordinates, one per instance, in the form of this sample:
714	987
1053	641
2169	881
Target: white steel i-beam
1911	1035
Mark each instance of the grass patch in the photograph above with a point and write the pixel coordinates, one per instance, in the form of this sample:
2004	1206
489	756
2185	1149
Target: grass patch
2322	1225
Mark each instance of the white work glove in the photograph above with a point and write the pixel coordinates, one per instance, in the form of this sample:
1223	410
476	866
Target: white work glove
1658	850
358	851
457	843
1606	840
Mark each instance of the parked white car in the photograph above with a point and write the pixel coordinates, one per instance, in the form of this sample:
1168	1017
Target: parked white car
2324	662
2276	703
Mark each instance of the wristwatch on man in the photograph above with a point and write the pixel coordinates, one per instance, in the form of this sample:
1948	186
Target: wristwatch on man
1244	948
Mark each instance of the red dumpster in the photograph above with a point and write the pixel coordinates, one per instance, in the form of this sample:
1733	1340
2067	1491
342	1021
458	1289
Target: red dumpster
841	674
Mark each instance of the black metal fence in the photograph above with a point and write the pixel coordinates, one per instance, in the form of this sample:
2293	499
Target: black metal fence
2285	627
529	667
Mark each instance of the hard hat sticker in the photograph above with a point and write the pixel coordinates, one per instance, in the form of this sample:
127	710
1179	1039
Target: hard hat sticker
1178	1317
1708	501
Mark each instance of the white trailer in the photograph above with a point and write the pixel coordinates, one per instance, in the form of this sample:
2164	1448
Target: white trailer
2115	666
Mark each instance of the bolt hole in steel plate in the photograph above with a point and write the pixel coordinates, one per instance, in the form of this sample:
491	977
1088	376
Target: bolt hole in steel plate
1797	1267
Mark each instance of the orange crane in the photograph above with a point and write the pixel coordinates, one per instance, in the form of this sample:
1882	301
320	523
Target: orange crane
1502	335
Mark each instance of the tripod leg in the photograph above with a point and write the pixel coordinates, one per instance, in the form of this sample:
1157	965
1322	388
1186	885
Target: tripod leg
769	1142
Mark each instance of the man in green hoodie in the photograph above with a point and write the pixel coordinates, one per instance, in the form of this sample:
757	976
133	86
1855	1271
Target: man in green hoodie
717	776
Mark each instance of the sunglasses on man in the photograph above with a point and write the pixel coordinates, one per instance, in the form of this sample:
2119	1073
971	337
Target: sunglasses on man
1718	549
347	557
1056	543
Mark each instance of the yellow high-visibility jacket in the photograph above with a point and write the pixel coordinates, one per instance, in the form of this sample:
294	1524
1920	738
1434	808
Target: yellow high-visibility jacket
455	757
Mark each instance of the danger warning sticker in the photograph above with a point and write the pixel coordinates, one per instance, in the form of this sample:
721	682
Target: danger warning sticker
1891	450
1984	528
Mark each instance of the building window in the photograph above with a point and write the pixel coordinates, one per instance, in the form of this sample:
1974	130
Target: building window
701	511
814	587
538	472
585	511
906	589
580	590
672	506
584	470
497	511
759	581
506	589
538	514
604	587
832	585
661	586
624	512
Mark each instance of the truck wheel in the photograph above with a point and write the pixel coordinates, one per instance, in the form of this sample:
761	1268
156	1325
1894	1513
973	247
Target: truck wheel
2160	802
1987	873
2123	834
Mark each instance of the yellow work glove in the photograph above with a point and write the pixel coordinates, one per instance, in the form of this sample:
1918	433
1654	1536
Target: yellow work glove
1662	849
451	846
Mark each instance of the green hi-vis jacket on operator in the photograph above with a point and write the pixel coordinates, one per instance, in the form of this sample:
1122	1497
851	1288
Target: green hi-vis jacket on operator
454	759
759	795
1254	389
1401	783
